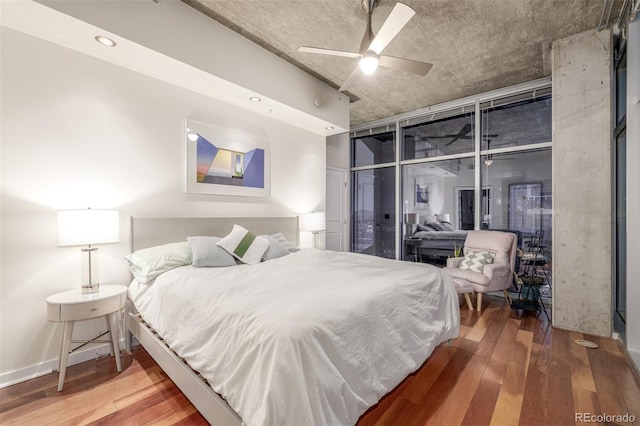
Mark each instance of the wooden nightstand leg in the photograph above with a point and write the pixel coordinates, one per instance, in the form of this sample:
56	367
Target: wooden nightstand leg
113	330
64	352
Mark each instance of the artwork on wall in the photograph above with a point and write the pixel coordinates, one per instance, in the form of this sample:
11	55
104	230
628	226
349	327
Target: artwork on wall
225	162
525	207
422	192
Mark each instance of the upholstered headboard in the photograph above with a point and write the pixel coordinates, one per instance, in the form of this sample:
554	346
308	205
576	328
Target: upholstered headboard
147	232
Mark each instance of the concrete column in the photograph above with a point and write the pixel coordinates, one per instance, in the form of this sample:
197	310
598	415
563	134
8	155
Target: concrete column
582	183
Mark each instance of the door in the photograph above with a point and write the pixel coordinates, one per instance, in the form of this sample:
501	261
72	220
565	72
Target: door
336	216
465	208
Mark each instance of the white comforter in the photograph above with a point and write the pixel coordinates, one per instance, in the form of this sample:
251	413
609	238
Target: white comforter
313	338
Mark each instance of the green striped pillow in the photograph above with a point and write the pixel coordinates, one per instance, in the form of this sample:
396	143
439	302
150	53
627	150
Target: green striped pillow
244	246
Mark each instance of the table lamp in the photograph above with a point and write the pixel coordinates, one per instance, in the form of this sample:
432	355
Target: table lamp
314	223
88	227
410	222
444	217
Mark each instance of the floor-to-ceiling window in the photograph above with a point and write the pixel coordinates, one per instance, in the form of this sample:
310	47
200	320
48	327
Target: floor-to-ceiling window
478	163
373	191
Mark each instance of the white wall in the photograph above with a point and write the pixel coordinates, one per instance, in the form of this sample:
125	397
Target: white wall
79	132
633	192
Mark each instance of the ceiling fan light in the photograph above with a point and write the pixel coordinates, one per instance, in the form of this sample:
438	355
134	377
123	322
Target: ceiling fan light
368	64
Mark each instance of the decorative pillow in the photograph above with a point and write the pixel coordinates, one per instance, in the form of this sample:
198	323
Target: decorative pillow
147	264
446	226
275	249
286	243
424	228
206	253
436	226
475	261
244	246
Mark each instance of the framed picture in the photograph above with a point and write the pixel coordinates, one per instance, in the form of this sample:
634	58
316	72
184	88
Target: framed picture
422	192
525	207
225	162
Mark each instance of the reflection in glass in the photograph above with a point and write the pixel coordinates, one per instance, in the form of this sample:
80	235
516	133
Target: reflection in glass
520	197
445	136
621	226
373	149
449	185
374	212
621	89
519	123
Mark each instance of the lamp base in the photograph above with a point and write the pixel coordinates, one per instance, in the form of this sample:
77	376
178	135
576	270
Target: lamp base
86	289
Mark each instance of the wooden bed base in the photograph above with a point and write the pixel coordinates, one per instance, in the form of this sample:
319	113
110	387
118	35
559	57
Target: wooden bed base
149	232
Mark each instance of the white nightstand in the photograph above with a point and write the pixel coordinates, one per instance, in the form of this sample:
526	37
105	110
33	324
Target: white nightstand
71	306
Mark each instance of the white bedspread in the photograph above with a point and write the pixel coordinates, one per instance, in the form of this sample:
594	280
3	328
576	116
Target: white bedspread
313	338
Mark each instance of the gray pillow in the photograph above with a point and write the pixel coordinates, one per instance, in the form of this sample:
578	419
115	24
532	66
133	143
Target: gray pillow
275	249
286	243
206	253
446	226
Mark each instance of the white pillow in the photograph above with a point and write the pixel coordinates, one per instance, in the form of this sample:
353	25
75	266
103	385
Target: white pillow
206	253
475	261
147	264
286	243
244	246
275	249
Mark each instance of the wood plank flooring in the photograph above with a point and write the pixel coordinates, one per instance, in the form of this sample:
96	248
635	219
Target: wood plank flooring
501	370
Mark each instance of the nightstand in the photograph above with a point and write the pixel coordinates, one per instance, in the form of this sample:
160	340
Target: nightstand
72	305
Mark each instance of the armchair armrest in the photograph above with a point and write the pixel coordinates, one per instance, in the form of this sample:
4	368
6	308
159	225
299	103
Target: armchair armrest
454	262
495	270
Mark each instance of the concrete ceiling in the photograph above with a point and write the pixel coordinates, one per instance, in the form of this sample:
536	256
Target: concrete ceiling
475	45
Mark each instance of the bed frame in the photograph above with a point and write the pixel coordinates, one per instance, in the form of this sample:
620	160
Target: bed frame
148	232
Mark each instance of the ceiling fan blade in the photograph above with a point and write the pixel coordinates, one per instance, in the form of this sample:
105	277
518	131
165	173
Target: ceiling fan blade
331	52
406	65
397	19
349	81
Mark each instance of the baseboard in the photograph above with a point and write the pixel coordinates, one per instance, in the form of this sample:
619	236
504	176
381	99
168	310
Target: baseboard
48	367
634	360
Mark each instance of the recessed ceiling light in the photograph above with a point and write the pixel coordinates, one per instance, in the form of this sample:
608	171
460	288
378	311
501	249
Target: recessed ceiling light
329	127
255	99
106	41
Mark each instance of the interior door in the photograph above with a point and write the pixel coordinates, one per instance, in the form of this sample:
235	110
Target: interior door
465	208
336	234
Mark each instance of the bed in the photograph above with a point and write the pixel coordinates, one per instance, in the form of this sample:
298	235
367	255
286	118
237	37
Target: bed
440	243
313	337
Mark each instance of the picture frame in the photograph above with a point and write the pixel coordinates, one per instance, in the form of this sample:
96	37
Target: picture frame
525	207
223	161
421	191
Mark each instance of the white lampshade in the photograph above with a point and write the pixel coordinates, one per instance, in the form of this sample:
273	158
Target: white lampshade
88	226
313	222
445	217
411	218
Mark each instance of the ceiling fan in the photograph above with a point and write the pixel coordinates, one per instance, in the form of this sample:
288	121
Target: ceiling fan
462	134
371	46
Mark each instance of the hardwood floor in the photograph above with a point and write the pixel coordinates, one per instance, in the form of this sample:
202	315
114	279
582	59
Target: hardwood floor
501	370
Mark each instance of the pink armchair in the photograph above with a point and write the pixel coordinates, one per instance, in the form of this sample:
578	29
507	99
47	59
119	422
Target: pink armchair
497	275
